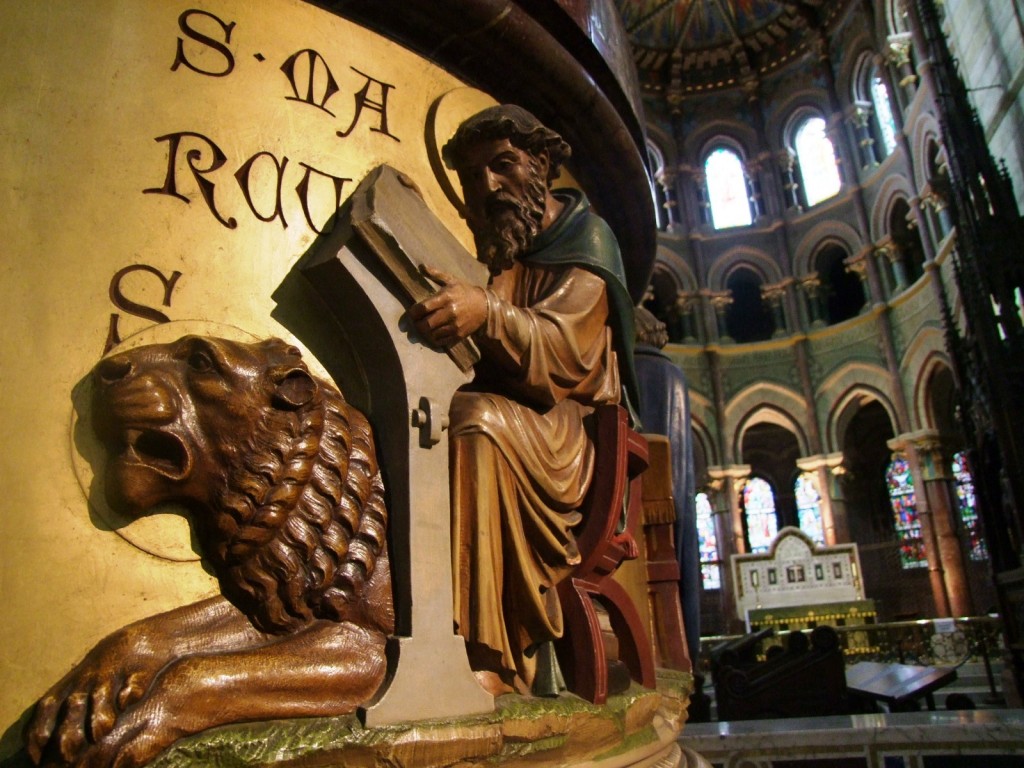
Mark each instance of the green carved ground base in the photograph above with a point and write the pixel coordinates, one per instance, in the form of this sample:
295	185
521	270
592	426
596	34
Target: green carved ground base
639	726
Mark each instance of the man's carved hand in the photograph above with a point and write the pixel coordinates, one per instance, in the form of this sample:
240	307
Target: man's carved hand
453	313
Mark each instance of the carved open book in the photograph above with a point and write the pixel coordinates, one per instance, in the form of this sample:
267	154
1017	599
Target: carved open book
392	218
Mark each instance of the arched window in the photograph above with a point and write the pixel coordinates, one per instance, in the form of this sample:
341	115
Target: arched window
728	196
808	507
884	121
968	506
710	560
819	173
759	514
904	511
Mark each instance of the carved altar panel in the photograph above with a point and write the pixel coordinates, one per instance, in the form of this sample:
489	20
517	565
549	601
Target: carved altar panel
795	572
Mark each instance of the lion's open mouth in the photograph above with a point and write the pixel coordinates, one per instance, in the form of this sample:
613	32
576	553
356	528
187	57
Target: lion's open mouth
162	452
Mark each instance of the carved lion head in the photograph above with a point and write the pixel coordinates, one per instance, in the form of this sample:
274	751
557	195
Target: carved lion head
279	471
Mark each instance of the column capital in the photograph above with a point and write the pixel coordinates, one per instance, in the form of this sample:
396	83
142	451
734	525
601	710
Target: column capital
899	48
833	462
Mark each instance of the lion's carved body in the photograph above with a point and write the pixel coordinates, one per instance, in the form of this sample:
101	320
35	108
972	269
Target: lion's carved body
282	482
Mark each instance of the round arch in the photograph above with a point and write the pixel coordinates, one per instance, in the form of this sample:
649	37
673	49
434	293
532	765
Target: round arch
821	235
894	189
731	133
757	261
923	132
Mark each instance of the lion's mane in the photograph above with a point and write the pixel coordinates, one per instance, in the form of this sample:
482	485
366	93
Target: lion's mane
302	522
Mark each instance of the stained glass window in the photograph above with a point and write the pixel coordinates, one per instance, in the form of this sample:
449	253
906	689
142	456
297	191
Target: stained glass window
759	509
968	506
808	507
818	170
727	189
904	509
883	113
710	561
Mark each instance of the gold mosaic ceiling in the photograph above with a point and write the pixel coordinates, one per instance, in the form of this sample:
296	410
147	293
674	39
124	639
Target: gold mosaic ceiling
692	46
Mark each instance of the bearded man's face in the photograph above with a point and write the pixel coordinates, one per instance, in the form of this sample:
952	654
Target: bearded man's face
505	189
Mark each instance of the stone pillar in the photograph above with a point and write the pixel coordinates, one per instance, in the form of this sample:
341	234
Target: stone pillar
775	295
827	470
722	520
666	179
858	265
899	56
811	287
721	302
904	445
700	183
860	120
753	178
685	306
940	493
881	254
888	249
787	167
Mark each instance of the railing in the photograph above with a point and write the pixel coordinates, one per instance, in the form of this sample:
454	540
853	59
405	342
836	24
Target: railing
929	642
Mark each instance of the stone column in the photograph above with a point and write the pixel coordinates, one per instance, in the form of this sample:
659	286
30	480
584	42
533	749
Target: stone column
881	254
787	167
666	179
904	445
685	306
700	183
753	178
827	470
811	287
722	521
858	265
720	302
940	493
775	294
888	249
899	56
860	120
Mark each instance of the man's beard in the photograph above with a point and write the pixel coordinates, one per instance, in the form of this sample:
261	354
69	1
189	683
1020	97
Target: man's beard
511	225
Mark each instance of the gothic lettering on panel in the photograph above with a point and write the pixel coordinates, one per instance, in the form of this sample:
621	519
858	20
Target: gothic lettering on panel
195	162
185	21
135	308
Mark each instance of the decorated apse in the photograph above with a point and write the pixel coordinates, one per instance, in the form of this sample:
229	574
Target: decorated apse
166	164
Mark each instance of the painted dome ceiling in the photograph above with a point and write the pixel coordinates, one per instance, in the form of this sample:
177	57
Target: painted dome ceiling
692	46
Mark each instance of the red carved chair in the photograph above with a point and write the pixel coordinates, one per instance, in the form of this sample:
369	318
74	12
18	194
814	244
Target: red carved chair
620	458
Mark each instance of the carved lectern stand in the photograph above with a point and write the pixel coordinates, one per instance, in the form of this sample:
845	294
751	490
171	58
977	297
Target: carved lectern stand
369	279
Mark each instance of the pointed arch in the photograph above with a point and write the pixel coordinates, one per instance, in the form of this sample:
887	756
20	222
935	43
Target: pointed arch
853	398
766	403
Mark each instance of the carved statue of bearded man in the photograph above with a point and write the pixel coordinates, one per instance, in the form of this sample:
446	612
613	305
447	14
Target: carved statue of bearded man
554	327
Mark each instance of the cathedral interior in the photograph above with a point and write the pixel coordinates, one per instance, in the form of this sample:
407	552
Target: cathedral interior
820	200
809	273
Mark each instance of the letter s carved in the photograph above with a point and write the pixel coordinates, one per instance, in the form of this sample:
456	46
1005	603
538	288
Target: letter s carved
125	304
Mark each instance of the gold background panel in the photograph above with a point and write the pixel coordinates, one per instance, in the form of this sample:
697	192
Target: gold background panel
163	161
